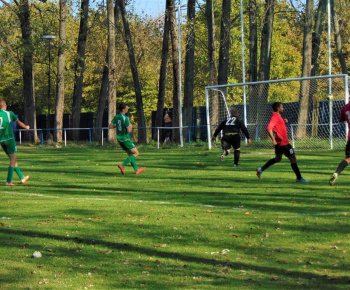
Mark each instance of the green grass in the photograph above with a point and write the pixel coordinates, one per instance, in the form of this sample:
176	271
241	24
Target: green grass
168	227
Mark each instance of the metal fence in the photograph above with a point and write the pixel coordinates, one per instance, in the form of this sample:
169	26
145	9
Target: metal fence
160	135
311	105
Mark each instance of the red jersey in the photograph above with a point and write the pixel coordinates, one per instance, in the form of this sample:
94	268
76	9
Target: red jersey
345	116
278	125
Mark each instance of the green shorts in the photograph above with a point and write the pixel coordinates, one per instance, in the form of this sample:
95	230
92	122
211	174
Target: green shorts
127	145
9	146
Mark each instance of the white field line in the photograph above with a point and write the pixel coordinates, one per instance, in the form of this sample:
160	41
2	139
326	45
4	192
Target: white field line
123	200
291	215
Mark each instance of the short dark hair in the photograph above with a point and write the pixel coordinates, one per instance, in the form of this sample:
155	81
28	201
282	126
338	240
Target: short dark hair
122	106
275	106
234	112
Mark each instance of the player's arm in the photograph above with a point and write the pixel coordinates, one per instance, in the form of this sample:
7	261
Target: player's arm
112	125
129	129
342	116
218	129
246	133
272	137
22	125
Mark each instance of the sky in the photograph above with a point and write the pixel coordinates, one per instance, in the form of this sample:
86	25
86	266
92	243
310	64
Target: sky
149	7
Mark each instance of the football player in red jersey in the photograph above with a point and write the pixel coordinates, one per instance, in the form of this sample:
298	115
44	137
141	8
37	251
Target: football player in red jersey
280	141
344	117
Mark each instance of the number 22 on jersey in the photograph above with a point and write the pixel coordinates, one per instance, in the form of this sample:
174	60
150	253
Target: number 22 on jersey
231	121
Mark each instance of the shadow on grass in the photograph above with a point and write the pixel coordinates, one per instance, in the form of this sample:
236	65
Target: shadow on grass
293	274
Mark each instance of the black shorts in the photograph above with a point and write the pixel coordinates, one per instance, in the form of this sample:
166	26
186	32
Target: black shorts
347	150
287	150
229	141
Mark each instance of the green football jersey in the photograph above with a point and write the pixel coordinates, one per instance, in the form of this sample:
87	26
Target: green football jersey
121	122
6	118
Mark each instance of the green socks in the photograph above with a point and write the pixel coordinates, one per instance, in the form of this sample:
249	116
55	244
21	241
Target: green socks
131	159
19	173
127	161
133	162
10	174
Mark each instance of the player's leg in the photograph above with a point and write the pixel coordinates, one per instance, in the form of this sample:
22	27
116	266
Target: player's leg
134	153
11	151
11	168
226	146
344	163
236	144
126	161
278	158
290	154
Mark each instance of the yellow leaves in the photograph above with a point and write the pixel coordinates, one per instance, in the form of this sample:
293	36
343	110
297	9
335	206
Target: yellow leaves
160	246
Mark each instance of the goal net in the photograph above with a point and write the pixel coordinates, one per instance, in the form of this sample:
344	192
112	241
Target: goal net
311	105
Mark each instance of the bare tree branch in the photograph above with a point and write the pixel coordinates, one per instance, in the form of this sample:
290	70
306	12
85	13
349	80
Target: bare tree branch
7	5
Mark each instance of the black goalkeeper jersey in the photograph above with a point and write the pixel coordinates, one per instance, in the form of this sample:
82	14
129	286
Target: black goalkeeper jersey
232	125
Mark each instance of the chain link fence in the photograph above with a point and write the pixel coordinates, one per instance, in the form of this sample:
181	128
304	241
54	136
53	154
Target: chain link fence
311	105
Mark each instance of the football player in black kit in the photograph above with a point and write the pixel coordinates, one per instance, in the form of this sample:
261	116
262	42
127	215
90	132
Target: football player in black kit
232	127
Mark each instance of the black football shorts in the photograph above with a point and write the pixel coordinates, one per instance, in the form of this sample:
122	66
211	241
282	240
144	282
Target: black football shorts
287	150
229	141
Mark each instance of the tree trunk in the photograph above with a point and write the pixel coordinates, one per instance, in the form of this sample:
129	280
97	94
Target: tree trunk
224	42
79	68
306	71
141	122
163	66
338	42
253	64
265	65
175	52
111	69
316	39
60	72
27	70
213	77
103	89
189	67
224	57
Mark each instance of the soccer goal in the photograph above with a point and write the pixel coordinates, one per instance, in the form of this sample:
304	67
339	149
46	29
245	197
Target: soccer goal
312	106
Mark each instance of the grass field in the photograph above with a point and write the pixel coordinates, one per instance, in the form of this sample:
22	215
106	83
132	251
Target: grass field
189	221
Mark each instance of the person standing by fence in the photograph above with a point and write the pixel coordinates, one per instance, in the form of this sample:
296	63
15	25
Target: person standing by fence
167	123
122	124
8	143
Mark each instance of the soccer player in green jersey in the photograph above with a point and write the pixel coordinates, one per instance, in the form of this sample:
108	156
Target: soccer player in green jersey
121	122
7	141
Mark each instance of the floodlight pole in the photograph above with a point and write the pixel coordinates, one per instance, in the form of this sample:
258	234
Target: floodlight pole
346	84
180	78
330	102
243	70
49	37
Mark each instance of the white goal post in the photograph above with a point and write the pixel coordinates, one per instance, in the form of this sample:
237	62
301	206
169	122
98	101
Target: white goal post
311	105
